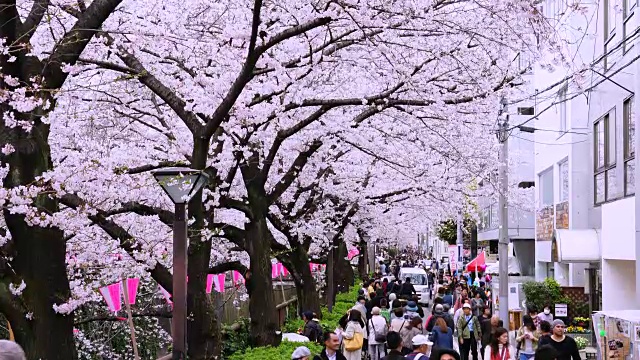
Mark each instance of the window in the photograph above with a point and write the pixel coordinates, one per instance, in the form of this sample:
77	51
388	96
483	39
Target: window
609	29
605	182
529	111
562	106
609	18
627	14
629	146
546	187
563	180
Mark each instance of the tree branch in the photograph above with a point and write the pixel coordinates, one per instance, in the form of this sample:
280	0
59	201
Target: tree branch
68	50
228	266
38	9
297	166
282	135
160	314
127	242
167	217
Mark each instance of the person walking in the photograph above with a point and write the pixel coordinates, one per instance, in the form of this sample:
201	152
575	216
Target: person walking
499	348
469	332
413	328
331	348
394	342
527	339
442	335
312	329
565	345
353	332
420	348
377	328
489	328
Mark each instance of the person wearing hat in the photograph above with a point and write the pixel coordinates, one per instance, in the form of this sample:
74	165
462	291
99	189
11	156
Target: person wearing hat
411	309
565	345
301	353
469	332
438	312
377	329
421	345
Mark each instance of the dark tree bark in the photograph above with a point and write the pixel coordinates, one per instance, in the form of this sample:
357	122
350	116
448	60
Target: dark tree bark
298	264
264	321
38	254
343	272
203	327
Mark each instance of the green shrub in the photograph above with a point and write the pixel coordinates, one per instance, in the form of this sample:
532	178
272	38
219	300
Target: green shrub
235	340
541	294
281	352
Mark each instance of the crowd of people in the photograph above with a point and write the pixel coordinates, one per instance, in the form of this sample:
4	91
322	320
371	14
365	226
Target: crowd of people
388	322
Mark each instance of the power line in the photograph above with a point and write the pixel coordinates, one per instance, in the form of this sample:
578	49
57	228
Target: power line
574	96
543	143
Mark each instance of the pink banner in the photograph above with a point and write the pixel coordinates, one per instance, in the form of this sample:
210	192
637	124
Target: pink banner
274	270
237	278
112	296
132	290
217	280
353	253
166	295
285	272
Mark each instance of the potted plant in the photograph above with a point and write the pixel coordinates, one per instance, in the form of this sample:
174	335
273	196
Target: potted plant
582	345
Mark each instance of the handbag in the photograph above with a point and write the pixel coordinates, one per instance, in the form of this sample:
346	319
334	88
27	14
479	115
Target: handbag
380	338
355	343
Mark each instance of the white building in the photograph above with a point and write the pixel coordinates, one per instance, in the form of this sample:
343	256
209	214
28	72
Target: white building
585	142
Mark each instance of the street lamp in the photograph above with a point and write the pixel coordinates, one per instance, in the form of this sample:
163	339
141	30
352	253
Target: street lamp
180	183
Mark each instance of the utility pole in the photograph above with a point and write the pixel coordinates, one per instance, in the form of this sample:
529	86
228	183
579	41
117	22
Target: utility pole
459	243
503	241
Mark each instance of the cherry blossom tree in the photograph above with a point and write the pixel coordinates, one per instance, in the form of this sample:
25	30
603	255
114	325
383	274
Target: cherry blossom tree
313	119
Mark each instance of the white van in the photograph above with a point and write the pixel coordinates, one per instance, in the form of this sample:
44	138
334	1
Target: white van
420	282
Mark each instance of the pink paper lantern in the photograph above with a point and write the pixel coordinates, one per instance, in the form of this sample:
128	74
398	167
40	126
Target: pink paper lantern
112	296
132	290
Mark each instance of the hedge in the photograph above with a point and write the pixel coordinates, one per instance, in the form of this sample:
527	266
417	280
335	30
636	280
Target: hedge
281	352
344	302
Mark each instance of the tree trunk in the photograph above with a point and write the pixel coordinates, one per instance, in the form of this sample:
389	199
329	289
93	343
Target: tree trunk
264	319
40	262
343	272
298	264
362	260
39	259
203	326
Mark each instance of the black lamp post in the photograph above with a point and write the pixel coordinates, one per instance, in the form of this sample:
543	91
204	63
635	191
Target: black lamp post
180	183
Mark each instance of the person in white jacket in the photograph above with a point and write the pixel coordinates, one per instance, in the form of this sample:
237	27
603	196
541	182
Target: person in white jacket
500	348
377	325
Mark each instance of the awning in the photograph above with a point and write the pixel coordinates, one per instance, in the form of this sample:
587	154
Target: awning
577	245
478	262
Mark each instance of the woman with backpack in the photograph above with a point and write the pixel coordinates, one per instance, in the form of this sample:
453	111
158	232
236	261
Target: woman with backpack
353	336
377	328
412	328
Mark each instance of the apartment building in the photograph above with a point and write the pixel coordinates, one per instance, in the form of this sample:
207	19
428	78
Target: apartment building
586	228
